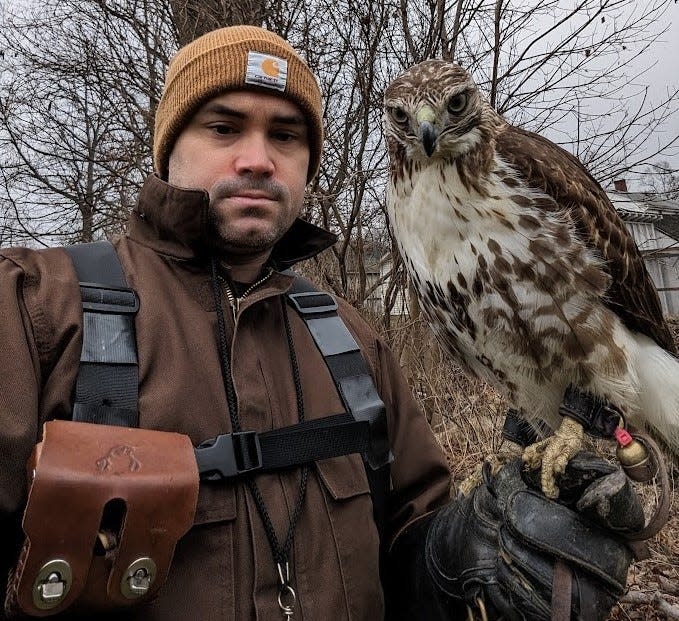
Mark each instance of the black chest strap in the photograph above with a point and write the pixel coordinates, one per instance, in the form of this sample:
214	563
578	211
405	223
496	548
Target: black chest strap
107	384
362	429
351	374
106	390
346	364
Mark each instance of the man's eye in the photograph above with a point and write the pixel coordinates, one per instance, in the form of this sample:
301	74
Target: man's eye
223	130
283	136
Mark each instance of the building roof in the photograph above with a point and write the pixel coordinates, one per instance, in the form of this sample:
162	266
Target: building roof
647	207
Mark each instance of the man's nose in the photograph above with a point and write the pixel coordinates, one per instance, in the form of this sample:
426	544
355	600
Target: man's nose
254	155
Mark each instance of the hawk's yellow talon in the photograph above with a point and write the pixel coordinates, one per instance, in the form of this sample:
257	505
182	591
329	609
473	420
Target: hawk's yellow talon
554	453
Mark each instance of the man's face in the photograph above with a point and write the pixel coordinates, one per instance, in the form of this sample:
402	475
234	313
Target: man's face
250	151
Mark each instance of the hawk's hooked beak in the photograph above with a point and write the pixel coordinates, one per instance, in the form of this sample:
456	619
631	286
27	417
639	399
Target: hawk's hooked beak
427	133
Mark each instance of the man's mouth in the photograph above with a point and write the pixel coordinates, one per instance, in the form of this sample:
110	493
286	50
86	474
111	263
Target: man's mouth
251	200
253	194
263	194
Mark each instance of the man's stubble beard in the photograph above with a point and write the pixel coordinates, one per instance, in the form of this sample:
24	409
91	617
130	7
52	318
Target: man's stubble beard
226	238
257	241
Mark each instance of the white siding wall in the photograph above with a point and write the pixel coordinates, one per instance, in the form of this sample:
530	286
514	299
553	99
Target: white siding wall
663	265
670	274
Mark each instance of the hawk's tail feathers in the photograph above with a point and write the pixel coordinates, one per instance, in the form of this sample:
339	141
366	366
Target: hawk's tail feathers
658	373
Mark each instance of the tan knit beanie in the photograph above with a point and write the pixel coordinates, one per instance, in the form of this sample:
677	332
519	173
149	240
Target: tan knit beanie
237	57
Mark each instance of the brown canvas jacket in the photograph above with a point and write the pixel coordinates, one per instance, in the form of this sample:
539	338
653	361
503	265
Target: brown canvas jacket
223	568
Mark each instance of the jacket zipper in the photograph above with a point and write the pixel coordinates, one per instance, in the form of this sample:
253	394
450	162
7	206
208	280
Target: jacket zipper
235	302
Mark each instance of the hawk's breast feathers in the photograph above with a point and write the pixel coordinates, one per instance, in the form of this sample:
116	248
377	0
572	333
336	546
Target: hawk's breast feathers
525	271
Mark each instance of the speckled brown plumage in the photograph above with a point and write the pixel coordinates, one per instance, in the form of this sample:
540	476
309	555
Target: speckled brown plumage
524	270
631	293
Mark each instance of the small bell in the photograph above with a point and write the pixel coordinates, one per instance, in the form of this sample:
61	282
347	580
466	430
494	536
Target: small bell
633	457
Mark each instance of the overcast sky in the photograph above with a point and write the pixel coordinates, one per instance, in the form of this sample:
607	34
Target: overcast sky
662	61
665	74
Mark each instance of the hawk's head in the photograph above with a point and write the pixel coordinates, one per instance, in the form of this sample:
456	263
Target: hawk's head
434	110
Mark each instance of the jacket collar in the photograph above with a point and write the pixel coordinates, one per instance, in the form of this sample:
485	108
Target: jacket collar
173	221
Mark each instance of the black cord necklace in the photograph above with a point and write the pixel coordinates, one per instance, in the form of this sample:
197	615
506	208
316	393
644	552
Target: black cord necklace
281	553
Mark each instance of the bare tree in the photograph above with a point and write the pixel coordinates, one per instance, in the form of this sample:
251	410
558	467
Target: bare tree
75	129
342	44
194	18
81	80
662	181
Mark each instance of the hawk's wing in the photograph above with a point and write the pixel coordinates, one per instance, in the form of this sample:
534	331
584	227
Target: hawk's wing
548	167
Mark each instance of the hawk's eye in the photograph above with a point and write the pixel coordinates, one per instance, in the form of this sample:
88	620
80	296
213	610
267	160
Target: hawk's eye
457	103
398	114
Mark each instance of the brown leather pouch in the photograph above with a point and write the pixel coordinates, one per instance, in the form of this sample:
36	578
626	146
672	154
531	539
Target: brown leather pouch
105	509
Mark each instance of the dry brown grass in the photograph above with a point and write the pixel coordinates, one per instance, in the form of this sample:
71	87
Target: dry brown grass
466	416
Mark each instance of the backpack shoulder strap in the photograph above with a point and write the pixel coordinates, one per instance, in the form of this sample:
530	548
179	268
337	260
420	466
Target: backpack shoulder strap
106	389
346	363
351	374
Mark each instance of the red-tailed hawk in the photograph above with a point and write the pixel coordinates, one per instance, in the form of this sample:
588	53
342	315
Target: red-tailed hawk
523	268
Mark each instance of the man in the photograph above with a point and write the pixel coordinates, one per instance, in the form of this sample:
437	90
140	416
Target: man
238	135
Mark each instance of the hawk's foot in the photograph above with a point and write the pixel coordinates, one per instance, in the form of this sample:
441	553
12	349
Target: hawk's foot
554	453
476	477
533	453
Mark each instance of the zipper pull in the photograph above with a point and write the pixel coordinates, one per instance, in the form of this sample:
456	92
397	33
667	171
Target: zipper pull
233	301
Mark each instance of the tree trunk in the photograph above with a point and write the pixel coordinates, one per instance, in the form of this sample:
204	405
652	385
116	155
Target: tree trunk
194	18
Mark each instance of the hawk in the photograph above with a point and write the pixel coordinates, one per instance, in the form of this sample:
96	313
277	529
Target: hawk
524	270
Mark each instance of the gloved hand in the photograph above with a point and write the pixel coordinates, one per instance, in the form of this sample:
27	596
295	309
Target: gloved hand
496	548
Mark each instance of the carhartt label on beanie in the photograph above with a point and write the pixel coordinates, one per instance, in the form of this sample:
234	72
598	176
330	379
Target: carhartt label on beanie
267	71
228	59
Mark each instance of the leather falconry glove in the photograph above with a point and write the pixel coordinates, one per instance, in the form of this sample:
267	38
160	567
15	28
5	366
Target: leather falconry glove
494	552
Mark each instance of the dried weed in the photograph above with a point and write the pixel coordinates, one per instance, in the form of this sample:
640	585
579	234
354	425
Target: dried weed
467	415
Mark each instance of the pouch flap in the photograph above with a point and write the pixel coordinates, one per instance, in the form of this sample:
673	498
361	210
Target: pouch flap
216	502
344	477
76	470
558	531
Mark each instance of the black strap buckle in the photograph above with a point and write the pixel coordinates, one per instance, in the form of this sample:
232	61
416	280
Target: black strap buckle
101	298
229	455
313	302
